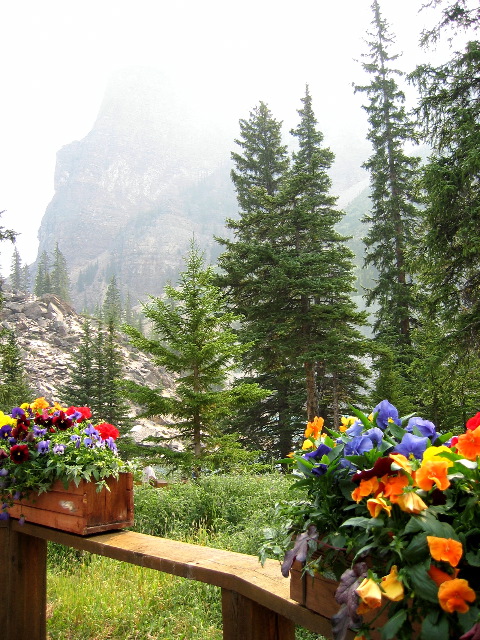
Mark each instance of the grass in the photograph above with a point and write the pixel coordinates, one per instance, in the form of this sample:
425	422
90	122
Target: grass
96	598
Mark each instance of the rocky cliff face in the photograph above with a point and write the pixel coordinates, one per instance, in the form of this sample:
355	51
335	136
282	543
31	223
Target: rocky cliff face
131	194
48	332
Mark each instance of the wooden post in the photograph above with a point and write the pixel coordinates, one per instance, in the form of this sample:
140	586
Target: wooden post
23	577
244	619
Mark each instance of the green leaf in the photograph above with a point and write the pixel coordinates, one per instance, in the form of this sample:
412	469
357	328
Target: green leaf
417	549
422	583
363	523
473	559
362	417
434	627
391	628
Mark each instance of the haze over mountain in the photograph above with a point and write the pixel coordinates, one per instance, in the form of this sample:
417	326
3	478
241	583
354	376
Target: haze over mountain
150	175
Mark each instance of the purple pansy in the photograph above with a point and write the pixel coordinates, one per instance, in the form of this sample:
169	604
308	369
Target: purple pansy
358	445
412	445
355	429
425	427
43	446
386	411
320	451
375	435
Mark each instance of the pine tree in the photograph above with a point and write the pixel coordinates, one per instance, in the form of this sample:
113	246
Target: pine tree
112	405
43	283
59	280
392	222
81	388
195	342
14	387
112	303
16	271
25	279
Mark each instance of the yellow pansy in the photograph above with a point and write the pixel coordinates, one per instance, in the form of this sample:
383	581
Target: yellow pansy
433	452
377	505
370	593
4	419
391	586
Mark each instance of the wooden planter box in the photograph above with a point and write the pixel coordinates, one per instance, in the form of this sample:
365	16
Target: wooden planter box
317	593
82	510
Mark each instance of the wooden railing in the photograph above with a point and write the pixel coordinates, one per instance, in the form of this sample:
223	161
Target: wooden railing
255	599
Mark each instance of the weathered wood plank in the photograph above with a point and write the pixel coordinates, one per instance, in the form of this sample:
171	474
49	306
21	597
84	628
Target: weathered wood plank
236	572
23	566
244	619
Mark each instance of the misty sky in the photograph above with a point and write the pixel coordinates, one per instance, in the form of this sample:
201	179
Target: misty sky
57	56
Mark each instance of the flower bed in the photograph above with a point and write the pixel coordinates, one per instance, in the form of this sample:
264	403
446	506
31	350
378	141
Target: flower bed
401	502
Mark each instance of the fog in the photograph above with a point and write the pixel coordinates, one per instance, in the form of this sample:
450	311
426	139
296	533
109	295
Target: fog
58	55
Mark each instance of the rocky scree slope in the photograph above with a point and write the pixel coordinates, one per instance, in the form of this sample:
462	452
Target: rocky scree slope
48	331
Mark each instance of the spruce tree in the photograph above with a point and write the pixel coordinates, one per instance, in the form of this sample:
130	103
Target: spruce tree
113	407
193	340
16	271
112	303
14	386
59	280
43	283
392	221
81	388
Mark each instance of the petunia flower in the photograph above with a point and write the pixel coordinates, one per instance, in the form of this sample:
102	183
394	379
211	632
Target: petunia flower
468	444
411	502
370	593
386	413
453	595
391	586
445	550
433	472
412	445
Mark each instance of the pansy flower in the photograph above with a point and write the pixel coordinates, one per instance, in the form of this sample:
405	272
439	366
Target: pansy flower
412	445
314	428
19	453
473	422
411	502
453	595
468	444
445	550
424	427
370	594
386	413
365	488
376	505
433	472
358	445
62	421
391	586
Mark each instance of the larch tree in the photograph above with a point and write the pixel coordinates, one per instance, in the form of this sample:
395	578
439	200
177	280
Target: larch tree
392	220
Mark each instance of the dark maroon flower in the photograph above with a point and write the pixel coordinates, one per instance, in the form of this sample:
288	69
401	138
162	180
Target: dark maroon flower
61	421
20	431
43	420
382	467
19	453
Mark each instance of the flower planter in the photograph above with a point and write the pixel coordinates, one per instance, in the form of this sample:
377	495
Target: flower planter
317	593
82	510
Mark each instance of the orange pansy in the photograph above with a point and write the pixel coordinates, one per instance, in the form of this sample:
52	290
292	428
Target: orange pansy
439	576
468	444
411	503
453	595
365	488
391	586
445	550
432	472
394	486
402	462
314	428
376	505
370	593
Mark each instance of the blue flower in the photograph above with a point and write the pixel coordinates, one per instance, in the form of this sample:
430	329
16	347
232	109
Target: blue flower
76	439
425	427
375	435
355	429
110	442
91	431
320	469
88	442
358	445
6	431
59	448
17	412
43	446
412	445
39	432
386	412
321	450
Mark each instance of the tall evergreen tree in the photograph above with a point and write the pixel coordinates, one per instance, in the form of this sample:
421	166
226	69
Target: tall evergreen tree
25	281
112	303
112	405
16	271
59	280
290	277
14	386
195	342
43	283
393	217
81	388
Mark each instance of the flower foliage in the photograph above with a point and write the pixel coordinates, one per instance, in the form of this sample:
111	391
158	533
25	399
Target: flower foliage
392	509
40	444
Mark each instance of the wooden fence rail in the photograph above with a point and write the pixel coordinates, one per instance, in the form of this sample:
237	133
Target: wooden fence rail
255	599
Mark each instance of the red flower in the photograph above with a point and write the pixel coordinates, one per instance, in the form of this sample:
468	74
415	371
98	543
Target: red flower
85	411
20	432
62	422
19	453
474	422
107	431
